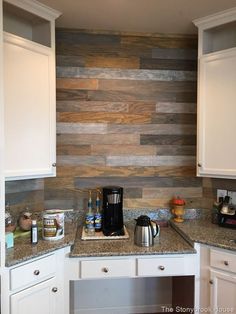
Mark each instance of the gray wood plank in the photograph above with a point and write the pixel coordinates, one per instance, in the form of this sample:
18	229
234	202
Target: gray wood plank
136	74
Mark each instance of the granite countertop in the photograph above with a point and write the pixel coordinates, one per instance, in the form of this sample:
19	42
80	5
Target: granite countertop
205	232
23	250
178	238
169	242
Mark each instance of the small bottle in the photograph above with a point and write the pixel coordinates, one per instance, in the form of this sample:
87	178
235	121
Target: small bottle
215	213
89	219
34	232
98	214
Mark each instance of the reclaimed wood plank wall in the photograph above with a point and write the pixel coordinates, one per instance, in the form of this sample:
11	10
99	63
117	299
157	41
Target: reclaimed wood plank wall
126	115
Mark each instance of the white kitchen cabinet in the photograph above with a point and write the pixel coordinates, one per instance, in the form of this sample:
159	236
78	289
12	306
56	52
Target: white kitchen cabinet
223	281
36	286
125	284
37	299
2	182
217	280
29	90
166	266
110	268
223	292
216	95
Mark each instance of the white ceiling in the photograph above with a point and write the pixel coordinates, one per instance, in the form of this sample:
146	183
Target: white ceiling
149	16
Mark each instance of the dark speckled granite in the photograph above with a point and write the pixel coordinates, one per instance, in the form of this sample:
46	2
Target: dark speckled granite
203	231
23	250
169	242
176	239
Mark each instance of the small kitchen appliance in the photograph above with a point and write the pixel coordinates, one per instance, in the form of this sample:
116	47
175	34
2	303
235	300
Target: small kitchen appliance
145	231
112	223
227	214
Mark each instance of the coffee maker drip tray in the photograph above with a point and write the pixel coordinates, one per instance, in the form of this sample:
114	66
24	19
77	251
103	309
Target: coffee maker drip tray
101	236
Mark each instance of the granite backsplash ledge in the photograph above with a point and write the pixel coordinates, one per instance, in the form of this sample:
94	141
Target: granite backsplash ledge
161	214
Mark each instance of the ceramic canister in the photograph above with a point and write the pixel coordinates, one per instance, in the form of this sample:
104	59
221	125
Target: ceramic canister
53	224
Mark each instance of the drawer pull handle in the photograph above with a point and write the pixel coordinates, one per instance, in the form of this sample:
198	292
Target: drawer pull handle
105	269
226	263
161	267
54	164
199	165
36	272
54	289
211	282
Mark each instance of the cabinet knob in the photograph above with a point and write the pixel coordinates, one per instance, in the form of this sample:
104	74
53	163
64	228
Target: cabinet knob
105	269
211	282
199	165
226	263
36	272
161	267
54	289
54	164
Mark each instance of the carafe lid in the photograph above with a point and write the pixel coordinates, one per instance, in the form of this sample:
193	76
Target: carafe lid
143	220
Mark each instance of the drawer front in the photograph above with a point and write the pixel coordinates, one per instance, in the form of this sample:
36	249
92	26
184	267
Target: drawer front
107	268
32	272
223	260
162	266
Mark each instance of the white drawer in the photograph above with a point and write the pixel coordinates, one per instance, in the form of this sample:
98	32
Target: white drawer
107	268
223	260
163	266
32	272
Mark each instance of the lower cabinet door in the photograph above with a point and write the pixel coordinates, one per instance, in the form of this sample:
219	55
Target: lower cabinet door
39	299
223	292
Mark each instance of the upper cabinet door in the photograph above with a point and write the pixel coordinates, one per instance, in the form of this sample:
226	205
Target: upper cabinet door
29	92
216	149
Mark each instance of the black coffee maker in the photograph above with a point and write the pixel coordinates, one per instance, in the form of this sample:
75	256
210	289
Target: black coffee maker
113	211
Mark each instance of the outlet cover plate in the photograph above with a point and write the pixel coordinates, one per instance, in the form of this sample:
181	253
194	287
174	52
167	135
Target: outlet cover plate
232	196
221	193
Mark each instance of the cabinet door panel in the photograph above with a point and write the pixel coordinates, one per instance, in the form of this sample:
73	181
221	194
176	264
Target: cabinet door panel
223	292
29	137
217	112
38	299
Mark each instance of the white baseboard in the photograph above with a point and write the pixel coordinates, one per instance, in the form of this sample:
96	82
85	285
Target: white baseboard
155	308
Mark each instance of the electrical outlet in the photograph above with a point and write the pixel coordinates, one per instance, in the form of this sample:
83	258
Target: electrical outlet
232	196
221	193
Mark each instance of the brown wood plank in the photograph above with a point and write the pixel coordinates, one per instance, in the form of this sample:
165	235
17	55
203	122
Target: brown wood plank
102	117
73	149
68	94
175	150
123	150
112	62
94	106
150	86
159	42
93	171
168	139
167	64
67	83
89	139
182	118
138	95
169	192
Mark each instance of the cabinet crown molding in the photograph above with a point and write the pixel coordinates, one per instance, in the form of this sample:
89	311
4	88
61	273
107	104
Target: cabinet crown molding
216	19
36	8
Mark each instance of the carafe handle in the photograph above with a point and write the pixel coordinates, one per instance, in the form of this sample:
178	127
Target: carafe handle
155	228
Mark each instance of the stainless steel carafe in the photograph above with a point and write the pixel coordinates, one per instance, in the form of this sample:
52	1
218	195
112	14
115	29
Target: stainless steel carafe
145	231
